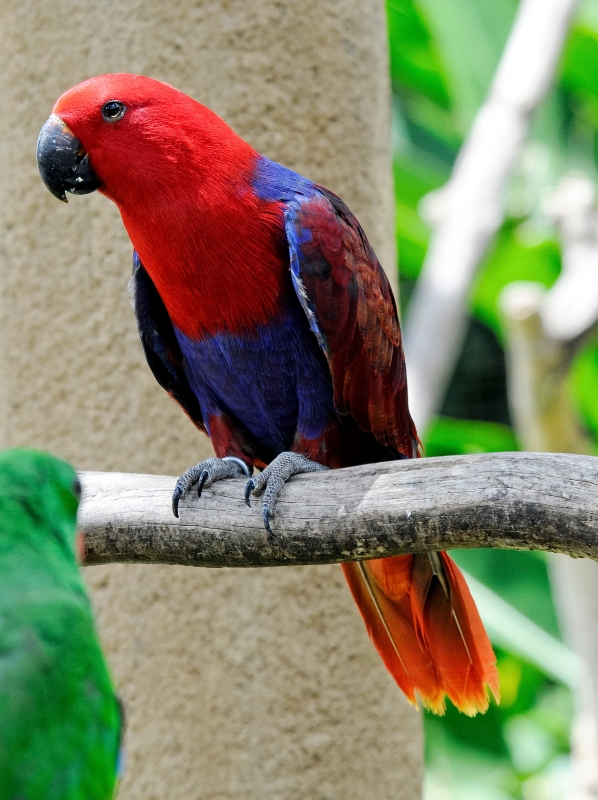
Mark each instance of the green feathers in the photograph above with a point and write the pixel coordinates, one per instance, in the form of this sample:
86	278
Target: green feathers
59	715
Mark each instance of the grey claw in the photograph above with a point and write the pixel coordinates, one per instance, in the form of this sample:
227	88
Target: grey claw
271	481
202	479
205	474
266	516
178	493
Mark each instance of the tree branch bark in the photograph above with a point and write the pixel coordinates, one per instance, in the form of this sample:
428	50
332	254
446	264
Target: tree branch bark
520	501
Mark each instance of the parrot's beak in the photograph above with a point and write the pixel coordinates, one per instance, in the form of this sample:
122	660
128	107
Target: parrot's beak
62	162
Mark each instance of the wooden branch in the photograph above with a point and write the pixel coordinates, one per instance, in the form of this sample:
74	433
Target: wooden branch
518	501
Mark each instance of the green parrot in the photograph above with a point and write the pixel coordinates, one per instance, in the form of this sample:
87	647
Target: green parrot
60	718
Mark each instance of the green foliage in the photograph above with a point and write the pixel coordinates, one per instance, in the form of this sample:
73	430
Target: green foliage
515	748
470	40
446	436
579	70
514	256
414	177
580	61
442	61
584	385
520	577
415	63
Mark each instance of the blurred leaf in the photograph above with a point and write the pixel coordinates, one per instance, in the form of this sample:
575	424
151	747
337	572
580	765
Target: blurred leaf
583	379
580	62
446	436
412	238
530	681
517	634
482	732
587	14
551	127
415	175
579	80
526	653
514	257
531	745
414	60
473	758
520	577
470	36
431	129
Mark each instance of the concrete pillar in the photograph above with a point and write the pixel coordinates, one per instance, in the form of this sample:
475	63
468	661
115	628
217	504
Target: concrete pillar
238	684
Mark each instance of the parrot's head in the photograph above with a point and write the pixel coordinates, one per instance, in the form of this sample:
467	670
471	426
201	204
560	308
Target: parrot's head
39	498
133	138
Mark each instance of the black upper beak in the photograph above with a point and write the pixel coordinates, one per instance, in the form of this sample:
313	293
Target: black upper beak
62	163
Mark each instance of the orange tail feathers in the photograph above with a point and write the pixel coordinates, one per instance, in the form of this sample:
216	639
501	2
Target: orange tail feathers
424	623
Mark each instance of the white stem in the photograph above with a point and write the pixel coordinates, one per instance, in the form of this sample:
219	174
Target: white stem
470	208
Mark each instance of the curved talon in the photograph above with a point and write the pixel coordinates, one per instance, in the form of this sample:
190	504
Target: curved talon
202	479
245	468
272	480
177	494
266	516
205	474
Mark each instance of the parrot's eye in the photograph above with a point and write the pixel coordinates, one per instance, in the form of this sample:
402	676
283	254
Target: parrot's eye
76	487
113	110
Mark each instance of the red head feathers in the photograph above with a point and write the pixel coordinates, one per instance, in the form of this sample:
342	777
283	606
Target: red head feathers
180	177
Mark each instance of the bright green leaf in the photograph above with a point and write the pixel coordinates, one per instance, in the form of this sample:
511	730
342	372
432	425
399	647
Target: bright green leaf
583	379
414	59
470	36
446	436
510	259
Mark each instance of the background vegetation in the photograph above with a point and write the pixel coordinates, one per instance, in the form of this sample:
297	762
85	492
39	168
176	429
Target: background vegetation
443	55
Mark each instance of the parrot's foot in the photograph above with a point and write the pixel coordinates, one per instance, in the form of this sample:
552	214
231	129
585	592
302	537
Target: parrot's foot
205	474
271	481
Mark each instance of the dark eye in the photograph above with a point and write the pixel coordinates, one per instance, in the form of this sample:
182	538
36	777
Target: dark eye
76	487
113	110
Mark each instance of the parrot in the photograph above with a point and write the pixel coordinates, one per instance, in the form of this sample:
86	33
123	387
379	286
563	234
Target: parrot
60	719
263	311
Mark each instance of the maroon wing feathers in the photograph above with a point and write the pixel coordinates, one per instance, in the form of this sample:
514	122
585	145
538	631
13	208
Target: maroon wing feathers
345	289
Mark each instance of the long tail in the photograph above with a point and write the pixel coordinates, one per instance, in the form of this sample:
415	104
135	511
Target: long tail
424	623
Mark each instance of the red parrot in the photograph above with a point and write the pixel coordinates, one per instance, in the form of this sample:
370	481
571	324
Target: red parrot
264	312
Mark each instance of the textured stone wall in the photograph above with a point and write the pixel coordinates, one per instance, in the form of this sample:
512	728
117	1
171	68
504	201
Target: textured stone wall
238	684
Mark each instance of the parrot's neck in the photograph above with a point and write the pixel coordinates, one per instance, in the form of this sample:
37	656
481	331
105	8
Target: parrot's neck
217	254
